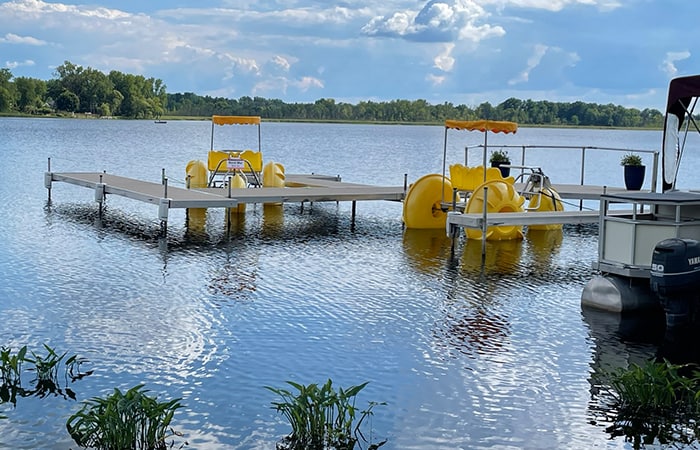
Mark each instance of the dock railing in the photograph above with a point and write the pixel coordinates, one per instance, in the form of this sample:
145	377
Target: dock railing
585	150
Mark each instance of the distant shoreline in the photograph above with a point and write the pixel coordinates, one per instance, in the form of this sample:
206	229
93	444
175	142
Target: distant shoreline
350	122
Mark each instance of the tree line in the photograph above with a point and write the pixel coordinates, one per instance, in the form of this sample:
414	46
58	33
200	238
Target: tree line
75	89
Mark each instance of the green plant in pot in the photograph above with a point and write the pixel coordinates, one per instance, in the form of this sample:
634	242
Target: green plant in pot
499	158
633	170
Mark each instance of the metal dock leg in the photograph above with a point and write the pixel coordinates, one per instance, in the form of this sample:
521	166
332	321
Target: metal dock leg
484	227
48	179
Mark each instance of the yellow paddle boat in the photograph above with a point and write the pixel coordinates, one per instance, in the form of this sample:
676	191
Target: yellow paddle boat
478	188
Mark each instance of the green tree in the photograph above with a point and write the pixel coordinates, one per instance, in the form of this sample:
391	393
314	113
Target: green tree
6	90
68	102
30	94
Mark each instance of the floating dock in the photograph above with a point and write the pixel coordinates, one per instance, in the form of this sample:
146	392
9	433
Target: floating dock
311	188
565	191
300	188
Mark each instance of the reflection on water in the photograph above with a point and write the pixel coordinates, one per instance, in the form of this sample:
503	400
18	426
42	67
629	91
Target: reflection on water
620	340
196	222
426	250
501	257
273	220
473	330
545	244
467	353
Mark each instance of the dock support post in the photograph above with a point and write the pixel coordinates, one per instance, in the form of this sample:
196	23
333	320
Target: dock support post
48	179
352	215
483	223
451	232
163	208
100	194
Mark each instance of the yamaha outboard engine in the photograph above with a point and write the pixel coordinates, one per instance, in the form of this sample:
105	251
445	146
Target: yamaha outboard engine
675	279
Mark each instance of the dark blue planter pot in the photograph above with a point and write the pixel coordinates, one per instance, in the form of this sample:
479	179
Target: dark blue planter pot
505	171
634	177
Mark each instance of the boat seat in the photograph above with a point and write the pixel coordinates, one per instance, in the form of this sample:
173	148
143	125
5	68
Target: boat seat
217	160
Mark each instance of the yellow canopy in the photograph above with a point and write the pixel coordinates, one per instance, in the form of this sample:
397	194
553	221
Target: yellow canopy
482	125
236	120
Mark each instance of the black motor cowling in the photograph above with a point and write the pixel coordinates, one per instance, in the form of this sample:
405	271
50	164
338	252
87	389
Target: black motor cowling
675	278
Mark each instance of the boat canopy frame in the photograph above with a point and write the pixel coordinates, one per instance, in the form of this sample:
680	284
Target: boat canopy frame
483	125
235	120
252	173
683	95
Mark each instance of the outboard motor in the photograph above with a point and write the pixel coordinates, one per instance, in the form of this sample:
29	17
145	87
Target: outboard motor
675	279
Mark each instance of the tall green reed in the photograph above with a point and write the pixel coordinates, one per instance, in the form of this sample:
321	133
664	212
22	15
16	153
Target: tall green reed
131	420
654	403
322	418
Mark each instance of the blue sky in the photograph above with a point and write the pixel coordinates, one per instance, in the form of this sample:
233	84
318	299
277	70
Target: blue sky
460	51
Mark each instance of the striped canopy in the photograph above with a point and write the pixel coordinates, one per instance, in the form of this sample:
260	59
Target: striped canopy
235	120
494	126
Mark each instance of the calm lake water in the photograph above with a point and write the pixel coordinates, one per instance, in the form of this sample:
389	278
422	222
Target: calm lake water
465	355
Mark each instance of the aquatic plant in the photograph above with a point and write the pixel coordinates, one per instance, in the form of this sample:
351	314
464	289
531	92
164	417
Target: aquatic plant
657	402
131	420
10	375
322	418
46	369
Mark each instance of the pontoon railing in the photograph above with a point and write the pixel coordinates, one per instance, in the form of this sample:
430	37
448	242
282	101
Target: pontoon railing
584	153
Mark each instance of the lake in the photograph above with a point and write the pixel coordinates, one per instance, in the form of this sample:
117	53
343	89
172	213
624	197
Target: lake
466	355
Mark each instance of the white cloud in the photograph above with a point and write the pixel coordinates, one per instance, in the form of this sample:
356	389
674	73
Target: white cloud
281	62
15	64
557	5
435	80
444	61
11	38
669	64
279	85
532	62
307	83
438	21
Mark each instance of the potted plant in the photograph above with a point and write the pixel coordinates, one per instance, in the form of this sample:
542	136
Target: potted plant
633	170
499	158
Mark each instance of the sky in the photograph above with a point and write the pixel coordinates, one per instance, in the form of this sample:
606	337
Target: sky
467	52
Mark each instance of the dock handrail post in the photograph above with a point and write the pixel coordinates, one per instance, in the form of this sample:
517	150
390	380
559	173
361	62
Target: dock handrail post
48	179
654	172
162	175
601	225
483	223
165	186
450	228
